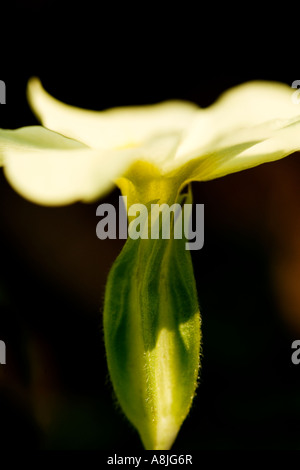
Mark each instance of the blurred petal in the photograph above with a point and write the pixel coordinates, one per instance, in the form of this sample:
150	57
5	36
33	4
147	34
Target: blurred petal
113	128
56	177
254	107
284	142
243	150
253	103
251	124
48	168
34	137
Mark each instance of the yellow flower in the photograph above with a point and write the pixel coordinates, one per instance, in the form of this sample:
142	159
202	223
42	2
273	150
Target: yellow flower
78	155
151	314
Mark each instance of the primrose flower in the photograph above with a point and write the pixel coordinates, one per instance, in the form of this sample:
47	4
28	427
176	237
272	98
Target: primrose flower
151	315
79	154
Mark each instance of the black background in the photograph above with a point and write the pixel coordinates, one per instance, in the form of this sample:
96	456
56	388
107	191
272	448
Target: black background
54	389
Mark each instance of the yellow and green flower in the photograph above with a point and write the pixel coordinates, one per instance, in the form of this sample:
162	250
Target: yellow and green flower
151	314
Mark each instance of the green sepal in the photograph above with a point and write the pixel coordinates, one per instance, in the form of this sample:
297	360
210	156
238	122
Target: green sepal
152	336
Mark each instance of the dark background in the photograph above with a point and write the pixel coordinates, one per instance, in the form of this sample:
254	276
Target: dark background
54	389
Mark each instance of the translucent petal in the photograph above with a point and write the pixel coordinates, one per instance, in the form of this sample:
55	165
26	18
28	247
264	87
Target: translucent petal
245	149
56	177
113	128
34	137
252	103
250	107
51	169
282	143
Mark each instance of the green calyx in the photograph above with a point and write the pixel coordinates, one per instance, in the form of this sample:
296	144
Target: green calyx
152	336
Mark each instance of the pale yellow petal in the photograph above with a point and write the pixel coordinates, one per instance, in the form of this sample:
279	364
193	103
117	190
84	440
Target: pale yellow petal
253	103
241	154
51	169
48	168
248	111
57	177
34	137
283	143
113	128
